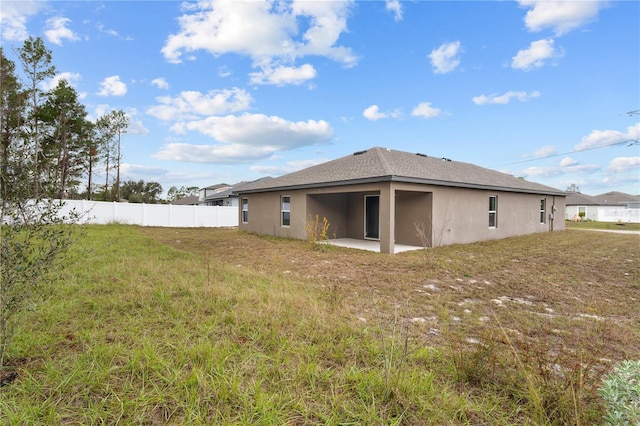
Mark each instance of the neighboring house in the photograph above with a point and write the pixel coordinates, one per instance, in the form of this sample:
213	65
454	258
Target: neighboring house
608	207
389	196
217	195
223	194
191	200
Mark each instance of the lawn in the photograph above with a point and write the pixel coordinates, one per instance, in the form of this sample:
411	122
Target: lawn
215	326
613	226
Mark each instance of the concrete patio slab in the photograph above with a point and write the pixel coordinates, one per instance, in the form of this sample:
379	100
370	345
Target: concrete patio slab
369	245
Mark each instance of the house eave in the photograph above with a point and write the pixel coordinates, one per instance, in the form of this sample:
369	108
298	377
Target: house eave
401	179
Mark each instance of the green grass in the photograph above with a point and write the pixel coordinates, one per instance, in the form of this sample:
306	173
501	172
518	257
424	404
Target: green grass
162	326
618	226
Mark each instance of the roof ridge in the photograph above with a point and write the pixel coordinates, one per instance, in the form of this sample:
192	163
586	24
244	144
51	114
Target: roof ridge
380	152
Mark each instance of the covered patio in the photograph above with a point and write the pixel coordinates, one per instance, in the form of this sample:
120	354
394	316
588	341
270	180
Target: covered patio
368	245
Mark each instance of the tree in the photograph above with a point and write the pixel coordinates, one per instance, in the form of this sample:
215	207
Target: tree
62	145
36	63
104	147
111	127
89	154
141	191
175	193
120	122
12	107
32	238
573	188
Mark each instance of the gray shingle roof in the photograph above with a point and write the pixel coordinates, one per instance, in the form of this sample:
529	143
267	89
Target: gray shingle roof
615	198
380	164
185	201
579	199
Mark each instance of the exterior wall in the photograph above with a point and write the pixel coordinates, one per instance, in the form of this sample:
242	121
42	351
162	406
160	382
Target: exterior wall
606	213
450	215
413	212
342	206
462	215
591	212
332	207
264	214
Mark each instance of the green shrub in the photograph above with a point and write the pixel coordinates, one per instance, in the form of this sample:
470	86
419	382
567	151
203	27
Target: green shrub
621	393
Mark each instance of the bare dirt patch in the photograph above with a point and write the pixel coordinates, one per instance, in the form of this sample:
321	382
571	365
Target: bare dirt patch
568	290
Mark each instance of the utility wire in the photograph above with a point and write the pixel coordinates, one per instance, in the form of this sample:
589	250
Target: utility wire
630	142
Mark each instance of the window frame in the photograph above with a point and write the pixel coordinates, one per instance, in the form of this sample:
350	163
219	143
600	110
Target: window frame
493	214
543	210
283	211
245	210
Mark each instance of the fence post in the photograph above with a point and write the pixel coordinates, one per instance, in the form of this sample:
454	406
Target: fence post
144	215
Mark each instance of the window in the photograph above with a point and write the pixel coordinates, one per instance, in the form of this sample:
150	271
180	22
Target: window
543	210
245	210
285	210
493	211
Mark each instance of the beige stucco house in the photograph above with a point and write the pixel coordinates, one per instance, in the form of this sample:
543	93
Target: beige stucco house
387	196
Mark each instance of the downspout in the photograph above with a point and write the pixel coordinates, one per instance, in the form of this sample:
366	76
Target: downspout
553	212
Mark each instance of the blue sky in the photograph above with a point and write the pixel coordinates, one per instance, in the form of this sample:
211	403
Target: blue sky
227	91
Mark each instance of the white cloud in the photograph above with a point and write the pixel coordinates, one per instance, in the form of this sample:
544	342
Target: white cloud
191	104
561	16
259	130
535	55
212	154
425	110
267	31
372	113
100	27
56	30
568	162
445	58
505	98
129	170
622	164
537	172
160	83
71	78
248	137
599	138
395	7
289	167
544	151
112	86
284	75
136	127
224	71
14	16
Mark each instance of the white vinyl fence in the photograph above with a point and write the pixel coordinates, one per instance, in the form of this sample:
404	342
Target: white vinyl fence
166	215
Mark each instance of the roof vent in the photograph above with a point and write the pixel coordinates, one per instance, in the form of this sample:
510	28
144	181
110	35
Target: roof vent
359	152
419	154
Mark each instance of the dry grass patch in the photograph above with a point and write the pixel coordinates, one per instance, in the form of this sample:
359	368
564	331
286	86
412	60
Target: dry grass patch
215	326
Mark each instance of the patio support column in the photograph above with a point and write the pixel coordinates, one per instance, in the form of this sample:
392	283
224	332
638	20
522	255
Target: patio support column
387	221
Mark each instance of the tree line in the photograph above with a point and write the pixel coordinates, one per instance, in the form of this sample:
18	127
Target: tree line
48	141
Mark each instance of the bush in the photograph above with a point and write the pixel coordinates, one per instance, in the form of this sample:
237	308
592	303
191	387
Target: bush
621	393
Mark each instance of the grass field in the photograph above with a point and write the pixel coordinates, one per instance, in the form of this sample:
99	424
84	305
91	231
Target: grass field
613	226
215	326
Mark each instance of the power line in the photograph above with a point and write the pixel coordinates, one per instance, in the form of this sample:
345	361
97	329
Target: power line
630	142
